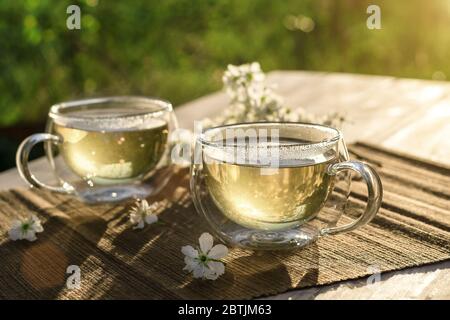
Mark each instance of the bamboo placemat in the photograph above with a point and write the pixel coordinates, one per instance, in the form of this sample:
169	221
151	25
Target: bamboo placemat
412	229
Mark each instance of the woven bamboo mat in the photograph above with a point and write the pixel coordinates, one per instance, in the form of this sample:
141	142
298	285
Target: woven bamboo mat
412	229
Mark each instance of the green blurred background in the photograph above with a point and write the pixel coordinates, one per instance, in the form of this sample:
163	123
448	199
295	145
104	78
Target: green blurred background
178	49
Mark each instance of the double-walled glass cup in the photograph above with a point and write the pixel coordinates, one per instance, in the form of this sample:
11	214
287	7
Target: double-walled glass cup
276	185
105	149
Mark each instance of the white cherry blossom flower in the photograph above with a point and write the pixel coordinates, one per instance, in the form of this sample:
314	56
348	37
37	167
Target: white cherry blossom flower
143	214
236	78
25	229
204	262
251	99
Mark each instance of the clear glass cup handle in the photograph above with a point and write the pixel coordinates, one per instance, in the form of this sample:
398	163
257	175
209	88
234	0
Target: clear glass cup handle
23	153
374	197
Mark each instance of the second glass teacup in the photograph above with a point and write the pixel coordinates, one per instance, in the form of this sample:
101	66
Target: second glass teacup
105	149
276	185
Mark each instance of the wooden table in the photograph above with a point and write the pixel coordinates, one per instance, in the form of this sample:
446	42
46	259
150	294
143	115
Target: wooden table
412	116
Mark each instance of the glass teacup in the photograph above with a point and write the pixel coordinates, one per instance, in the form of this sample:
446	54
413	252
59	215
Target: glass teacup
105	149
276	185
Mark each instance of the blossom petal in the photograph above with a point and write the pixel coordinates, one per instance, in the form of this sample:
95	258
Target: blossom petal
16	224
214	270
151	218
218	252
210	275
191	263
144	205
189	251
217	267
199	271
206	242
140	225
30	235
15	234
134	218
38	227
